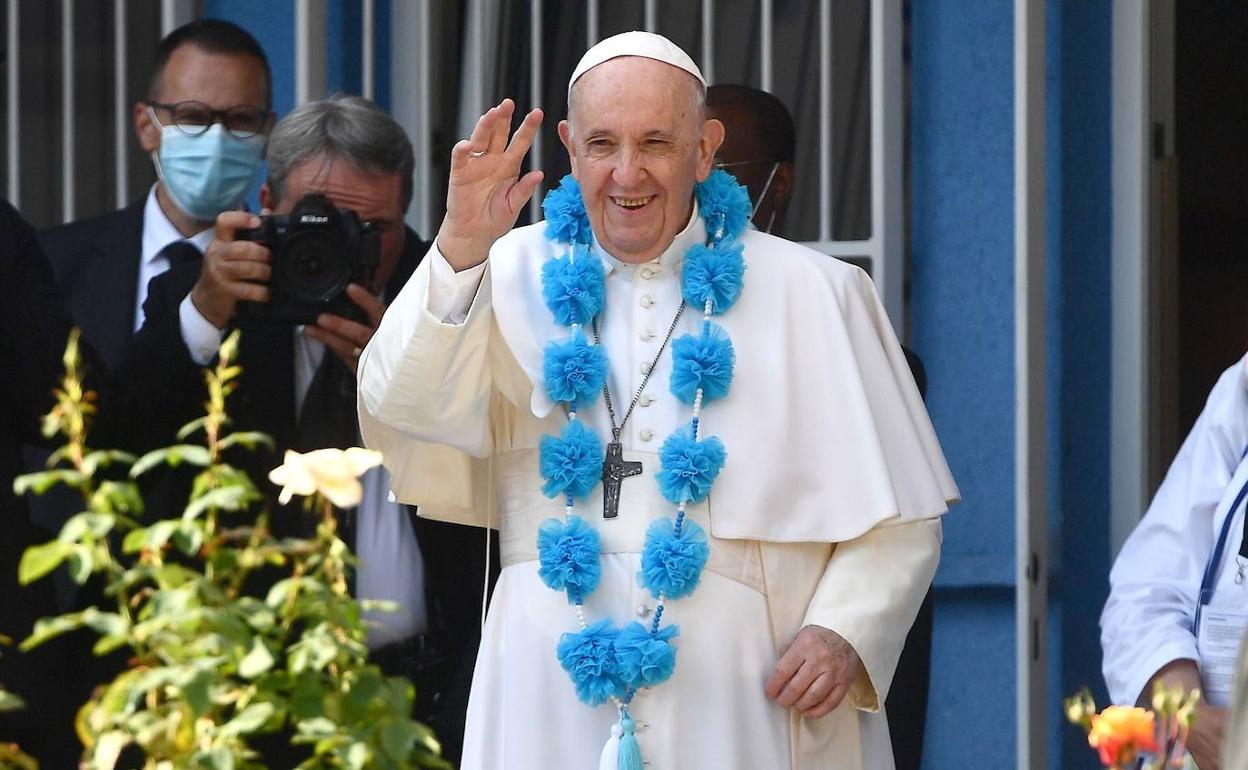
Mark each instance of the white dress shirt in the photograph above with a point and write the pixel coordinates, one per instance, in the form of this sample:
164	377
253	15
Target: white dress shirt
1155	582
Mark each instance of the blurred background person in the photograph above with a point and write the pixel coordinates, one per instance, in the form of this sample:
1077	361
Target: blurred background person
298	383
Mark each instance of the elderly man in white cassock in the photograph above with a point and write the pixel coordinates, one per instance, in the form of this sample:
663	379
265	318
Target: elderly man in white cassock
718	491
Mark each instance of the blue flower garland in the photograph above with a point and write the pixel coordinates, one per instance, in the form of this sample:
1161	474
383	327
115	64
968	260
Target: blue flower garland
607	663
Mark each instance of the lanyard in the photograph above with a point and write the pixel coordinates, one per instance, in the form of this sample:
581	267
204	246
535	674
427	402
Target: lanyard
1215	561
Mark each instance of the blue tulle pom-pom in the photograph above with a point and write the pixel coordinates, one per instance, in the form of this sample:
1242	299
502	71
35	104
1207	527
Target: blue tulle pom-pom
645	660
574	370
689	466
671	565
571	463
724	205
566	219
703	361
589	658
573	287
568	552
714	273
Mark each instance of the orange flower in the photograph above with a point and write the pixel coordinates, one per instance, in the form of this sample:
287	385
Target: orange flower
1119	733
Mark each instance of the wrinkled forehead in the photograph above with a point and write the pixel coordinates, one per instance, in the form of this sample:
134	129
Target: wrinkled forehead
642	86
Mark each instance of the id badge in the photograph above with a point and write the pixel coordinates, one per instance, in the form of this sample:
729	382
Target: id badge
1217	643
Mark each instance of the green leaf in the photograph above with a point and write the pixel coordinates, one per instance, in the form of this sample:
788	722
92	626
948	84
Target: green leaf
106	644
251	719
159	533
81	561
117	497
9	701
258	660
148	461
186	430
317	727
216	758
230	498
196	690
246	439
39	560
103	458
135	540
41	482
48	628
188	537
191	454
398	739
106	623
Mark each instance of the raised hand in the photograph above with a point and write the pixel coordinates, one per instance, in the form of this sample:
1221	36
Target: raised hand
486	191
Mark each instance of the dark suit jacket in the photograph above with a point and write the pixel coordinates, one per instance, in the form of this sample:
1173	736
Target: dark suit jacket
33	337
96	265
173	390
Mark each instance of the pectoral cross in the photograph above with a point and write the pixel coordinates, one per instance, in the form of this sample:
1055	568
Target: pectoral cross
614	470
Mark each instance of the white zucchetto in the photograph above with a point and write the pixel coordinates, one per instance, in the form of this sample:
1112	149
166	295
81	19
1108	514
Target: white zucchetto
636	43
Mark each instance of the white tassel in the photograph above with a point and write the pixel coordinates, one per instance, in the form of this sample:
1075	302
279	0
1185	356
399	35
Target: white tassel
610	757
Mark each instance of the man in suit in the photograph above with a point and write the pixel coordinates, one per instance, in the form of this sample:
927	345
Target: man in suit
47	678
298	385
204	123
759	149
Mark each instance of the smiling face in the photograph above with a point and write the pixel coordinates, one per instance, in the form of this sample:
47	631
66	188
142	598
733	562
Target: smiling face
638	142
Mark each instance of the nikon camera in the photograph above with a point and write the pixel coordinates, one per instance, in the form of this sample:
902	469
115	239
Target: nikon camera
316	251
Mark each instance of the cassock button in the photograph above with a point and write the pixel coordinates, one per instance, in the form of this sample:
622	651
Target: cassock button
647	301
646	400
645	368
647	434
643	611
648	272
647	335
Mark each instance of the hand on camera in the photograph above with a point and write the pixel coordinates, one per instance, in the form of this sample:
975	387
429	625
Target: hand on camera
233	271
344	336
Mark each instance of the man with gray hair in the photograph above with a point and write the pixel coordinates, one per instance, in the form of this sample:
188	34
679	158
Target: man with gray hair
298	385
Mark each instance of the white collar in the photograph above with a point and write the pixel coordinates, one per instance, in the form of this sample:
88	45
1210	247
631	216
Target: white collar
159	232
672	256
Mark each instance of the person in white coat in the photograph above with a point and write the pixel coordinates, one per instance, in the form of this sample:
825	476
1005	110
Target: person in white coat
1178	601
755	625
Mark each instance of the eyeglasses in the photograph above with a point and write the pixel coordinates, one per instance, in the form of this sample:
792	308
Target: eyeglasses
194	118
737	163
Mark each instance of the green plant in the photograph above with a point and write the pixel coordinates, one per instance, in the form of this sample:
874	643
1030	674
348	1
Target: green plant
211	667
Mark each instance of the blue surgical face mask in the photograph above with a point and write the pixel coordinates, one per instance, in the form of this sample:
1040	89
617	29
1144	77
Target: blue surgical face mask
208	173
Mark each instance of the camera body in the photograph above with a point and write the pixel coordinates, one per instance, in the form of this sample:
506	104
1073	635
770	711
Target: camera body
317	250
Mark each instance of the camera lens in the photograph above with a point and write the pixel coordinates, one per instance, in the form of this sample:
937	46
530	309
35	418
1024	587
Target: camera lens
313	267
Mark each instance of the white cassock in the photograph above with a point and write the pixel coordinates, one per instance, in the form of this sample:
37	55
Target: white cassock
1150	617
826	511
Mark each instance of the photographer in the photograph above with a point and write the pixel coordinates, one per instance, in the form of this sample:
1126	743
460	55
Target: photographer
298	381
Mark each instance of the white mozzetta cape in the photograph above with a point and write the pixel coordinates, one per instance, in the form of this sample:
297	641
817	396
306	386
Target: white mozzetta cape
826	433
829	448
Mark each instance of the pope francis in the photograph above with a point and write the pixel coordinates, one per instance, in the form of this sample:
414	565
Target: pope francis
717	490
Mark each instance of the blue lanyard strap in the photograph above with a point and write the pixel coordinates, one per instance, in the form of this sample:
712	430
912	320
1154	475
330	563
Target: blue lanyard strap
1215	561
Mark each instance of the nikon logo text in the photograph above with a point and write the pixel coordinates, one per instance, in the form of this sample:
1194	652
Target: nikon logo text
313	219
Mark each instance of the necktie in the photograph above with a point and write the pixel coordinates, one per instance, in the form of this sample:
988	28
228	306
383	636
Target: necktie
328	417
180	253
